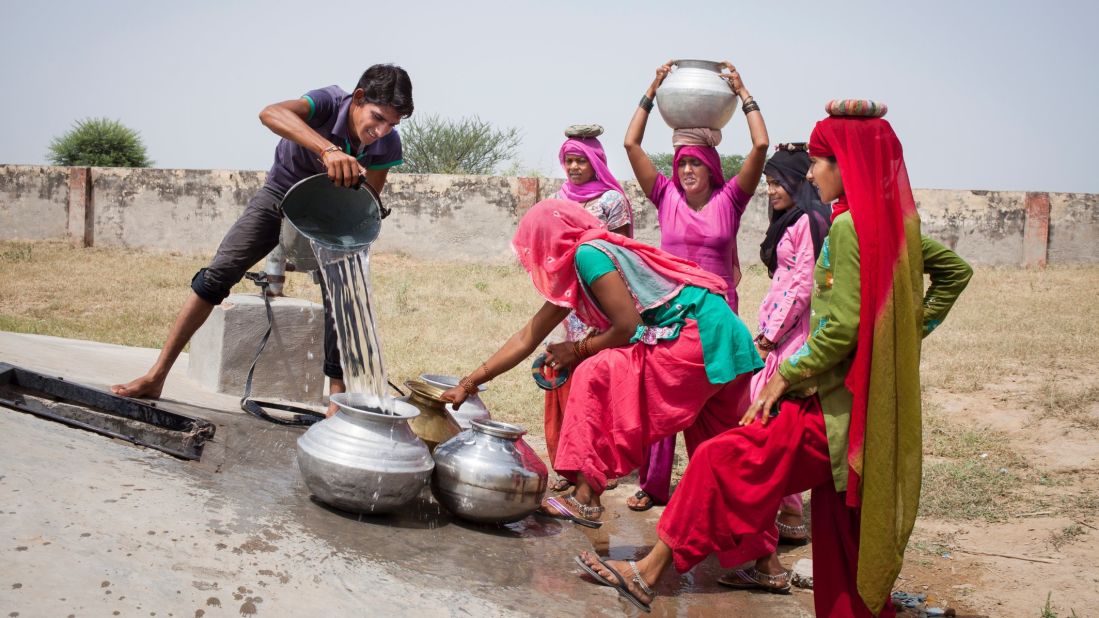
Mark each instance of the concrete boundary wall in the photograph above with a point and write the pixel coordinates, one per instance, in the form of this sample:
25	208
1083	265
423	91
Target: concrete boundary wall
473	217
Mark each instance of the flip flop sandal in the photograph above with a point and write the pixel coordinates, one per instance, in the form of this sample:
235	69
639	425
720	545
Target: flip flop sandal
641	495
792	535
586	513
754	579
621	585
611	484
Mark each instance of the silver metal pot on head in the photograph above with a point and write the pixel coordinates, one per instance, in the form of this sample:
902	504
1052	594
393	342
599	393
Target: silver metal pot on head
693	96
364	460
488	474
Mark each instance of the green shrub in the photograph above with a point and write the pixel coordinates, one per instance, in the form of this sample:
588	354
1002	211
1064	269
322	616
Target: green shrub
99	142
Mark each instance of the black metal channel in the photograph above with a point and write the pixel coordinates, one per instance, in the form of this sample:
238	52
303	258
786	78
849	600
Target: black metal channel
104	413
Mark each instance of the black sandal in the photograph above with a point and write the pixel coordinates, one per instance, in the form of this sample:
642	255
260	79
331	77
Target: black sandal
641	495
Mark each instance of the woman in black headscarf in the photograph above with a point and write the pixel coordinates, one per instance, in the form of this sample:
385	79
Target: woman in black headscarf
799	224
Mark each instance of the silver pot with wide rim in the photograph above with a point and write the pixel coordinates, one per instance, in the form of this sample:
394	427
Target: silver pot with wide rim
362	459
489	474
693	96
473	408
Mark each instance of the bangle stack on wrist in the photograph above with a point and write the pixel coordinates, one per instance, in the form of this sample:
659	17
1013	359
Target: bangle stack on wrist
467	385
750	105
645	103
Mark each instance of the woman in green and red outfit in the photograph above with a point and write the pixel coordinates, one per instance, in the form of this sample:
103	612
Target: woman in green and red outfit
842	414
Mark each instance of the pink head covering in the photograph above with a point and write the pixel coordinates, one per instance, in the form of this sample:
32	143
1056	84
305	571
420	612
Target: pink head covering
546	242
591	149
709	157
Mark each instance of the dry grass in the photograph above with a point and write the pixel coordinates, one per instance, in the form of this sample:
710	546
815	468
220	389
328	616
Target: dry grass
446	317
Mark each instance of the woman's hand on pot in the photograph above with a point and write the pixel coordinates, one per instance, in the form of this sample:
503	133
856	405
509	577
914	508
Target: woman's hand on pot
767	401
733	77
661	73
455	395
561	355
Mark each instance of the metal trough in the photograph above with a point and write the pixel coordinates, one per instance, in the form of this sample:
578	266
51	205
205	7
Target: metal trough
104	413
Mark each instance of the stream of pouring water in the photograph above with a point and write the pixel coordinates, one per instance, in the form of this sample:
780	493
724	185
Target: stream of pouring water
347	281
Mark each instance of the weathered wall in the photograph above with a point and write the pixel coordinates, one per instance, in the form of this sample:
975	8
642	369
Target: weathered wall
33	202
473	217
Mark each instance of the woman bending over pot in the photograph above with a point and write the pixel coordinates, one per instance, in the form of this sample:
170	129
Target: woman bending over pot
670	354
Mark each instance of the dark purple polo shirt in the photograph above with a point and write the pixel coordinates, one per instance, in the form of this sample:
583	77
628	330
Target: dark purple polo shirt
328	115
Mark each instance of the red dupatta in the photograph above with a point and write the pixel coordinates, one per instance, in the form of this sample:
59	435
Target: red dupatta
885	435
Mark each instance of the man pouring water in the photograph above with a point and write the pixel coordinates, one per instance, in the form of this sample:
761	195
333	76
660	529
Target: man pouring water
347	136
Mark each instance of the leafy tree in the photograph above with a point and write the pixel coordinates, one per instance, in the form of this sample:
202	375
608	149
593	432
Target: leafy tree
99	142
730	164
434	145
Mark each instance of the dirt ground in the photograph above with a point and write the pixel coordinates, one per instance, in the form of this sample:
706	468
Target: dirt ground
1011	397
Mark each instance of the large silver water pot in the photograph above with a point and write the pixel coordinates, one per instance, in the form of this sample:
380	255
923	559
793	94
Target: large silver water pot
473	408
362	459
488	474
693	96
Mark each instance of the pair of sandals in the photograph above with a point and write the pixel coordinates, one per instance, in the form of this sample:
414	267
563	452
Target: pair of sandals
620	583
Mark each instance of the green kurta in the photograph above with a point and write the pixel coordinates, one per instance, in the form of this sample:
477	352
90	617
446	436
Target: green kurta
823	362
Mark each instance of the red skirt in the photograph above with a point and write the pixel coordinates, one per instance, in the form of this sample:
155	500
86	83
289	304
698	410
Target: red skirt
624	399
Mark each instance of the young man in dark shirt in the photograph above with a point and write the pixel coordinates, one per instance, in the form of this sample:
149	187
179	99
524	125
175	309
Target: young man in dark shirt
347	136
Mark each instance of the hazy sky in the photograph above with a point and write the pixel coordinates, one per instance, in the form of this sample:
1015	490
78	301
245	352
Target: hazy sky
984	95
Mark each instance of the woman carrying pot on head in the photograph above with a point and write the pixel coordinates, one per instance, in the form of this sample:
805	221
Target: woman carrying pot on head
699	215
669	355
799	224
856	441
589	183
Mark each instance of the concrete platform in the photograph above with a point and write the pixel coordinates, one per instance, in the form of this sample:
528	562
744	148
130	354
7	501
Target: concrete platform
91	526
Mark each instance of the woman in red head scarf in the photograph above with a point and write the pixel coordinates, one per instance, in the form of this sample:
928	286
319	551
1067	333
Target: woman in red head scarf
855	442
669	356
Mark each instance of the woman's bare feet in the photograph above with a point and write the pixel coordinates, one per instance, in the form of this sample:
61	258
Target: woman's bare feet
145	387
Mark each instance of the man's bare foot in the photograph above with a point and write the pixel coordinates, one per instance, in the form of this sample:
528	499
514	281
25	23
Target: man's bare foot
626	571
144	387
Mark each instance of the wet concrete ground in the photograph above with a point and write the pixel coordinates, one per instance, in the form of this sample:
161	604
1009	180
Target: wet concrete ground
91	526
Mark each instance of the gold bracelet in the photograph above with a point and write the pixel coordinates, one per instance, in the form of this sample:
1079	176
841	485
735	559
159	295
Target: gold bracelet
467	385
328	150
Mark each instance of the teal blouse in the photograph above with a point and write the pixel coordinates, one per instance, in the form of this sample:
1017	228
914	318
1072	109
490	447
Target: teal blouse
727	347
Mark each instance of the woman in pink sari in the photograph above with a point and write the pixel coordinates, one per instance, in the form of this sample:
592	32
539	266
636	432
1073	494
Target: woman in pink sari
589	183
699	214
669	355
